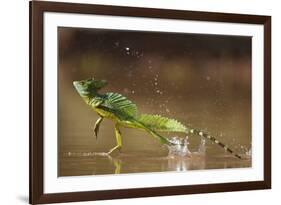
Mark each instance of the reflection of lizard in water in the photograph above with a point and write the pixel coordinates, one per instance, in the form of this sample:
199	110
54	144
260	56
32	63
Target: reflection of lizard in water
116	162
124	113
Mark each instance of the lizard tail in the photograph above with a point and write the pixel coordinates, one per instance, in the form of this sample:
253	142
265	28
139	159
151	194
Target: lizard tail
213	139
157	123
165	140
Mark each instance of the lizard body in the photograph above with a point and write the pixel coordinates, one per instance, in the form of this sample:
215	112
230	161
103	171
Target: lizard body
124	113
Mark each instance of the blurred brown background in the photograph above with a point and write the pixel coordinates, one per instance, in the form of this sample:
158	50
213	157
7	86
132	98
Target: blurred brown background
202	80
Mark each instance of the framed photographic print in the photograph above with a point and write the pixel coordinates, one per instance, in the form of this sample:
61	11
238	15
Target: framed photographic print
135	102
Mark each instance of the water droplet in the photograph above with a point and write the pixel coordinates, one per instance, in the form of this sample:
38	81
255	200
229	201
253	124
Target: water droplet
125	90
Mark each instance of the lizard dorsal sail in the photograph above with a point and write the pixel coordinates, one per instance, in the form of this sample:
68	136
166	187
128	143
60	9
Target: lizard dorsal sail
161	124
120	103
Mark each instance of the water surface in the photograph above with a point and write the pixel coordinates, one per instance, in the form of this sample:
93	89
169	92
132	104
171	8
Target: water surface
90	163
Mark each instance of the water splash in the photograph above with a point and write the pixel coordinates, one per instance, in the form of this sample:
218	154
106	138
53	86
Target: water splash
202	147
181	147
248	153
244	151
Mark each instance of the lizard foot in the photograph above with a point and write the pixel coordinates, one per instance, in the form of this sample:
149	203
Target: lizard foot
118	147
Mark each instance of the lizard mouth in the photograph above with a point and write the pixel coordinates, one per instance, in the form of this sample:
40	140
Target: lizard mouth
78	87
75	83
82	90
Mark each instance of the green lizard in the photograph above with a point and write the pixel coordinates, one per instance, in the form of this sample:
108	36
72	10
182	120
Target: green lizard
124	114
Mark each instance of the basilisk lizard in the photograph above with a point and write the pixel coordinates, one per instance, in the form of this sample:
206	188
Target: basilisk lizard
124	113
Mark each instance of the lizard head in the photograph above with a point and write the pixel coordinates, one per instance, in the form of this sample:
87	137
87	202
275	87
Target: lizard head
89	86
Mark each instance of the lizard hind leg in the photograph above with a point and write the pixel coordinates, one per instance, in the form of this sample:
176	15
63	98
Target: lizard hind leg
118	139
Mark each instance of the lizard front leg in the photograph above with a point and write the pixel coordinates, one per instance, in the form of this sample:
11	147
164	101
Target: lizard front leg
118	139
97	126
